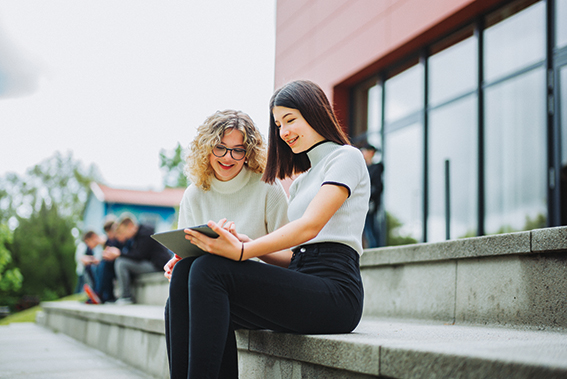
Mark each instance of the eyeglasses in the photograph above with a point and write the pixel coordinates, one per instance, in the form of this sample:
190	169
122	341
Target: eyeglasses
236	154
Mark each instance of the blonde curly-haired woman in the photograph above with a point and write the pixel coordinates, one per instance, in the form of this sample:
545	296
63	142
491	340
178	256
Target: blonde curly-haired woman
225	164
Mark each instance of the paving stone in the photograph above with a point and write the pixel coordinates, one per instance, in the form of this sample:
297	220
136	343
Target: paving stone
30	351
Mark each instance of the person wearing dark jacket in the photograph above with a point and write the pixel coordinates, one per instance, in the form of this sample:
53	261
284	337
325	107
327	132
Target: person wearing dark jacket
139	254
375	170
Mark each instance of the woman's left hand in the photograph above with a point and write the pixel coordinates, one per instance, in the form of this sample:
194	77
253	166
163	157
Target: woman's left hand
226	244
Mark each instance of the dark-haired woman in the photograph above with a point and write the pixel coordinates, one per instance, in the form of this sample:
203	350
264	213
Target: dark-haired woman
321	290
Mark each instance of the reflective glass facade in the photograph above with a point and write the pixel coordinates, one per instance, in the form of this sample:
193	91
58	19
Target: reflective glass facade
471	130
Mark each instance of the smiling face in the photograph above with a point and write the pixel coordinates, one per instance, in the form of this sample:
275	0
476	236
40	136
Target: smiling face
294	130
226	168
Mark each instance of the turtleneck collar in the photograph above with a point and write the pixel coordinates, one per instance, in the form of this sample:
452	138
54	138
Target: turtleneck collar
233	185
318	151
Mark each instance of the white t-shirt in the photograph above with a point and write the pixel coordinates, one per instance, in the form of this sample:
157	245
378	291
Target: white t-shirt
339	165
257	208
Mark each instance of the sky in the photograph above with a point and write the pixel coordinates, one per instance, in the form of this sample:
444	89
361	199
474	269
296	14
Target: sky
113	82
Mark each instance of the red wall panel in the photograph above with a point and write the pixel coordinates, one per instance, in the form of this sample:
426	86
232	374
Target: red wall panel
338	42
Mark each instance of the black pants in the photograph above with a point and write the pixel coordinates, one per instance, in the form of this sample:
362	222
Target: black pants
210	297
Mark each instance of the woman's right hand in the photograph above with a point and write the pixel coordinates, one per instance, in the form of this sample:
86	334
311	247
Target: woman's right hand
168	268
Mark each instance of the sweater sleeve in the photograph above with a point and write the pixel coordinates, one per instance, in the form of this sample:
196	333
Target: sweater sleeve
276	207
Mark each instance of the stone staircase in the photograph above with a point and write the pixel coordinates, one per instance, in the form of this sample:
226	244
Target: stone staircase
484	307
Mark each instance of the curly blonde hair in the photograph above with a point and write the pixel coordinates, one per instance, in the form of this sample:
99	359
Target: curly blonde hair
198	167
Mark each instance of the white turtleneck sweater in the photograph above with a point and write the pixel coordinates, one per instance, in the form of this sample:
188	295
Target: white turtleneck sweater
337	165
257	208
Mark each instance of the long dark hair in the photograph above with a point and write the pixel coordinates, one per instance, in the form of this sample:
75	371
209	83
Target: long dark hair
310	100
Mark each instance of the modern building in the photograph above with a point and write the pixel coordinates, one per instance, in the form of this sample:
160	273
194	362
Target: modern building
158	209
467	100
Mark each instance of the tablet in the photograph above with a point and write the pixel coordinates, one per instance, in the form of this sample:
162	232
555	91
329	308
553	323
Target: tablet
175	241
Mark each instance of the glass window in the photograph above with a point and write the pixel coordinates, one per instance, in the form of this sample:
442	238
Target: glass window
366	106
403	183
453	71
375	116
404	93
515	42
453	137
515	154
561	23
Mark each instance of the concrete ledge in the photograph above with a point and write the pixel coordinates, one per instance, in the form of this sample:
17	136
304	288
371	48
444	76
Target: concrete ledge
377	348
143	317
509	279
151	289
417	350
547	240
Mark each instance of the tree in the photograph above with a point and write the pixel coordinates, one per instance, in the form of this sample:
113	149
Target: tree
10	278
171	164
57	180
44	250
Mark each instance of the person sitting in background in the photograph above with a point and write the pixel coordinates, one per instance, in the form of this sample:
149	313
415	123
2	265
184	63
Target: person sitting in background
80	252
105	275
90	261
80	268
139	254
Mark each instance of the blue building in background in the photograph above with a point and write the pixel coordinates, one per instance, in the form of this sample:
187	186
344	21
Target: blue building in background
158	209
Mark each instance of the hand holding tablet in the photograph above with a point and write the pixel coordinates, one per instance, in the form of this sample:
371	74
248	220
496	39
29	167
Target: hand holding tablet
175	240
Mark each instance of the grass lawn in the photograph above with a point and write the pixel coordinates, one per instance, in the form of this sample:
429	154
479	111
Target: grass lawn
29	314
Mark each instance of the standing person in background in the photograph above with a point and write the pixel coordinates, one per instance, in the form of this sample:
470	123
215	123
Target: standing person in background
375	170
225	165
320	289
139	254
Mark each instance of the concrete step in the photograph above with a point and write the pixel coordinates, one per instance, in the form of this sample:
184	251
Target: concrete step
151	289
517	279
377	348
28	351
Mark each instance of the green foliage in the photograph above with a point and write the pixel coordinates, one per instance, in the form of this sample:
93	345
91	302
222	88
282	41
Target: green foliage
538	222
57	180
10	279
393	237
171	164
44	251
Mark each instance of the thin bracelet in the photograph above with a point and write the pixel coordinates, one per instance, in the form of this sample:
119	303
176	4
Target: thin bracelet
241	252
